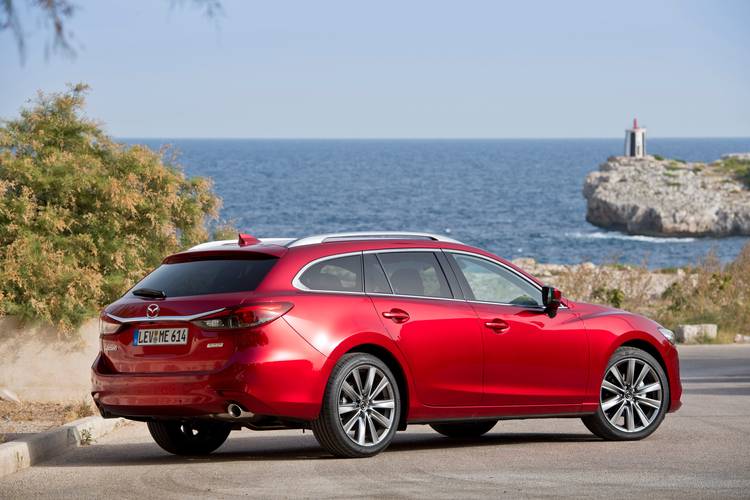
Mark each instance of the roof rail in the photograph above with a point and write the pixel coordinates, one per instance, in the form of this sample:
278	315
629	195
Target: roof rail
369	235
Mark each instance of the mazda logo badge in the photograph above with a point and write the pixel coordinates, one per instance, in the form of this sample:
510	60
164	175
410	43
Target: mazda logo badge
152	310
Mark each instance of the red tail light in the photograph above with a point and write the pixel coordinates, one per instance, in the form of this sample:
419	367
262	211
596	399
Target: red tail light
248	316
108	326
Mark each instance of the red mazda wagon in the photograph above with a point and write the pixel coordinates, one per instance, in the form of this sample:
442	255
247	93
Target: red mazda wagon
356	336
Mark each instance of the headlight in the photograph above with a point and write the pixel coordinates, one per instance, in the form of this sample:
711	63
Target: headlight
668	334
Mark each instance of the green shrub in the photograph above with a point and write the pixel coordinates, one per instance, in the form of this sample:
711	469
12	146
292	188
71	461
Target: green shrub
82	217
740	169
658	158
611	296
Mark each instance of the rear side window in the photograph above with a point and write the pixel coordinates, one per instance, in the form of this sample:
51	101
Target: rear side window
204	277
341	274
415	273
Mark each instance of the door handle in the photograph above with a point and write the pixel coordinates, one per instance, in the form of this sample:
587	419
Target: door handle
397	315
497	325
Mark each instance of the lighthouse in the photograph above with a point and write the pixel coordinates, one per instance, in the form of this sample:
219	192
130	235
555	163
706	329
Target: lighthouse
635	141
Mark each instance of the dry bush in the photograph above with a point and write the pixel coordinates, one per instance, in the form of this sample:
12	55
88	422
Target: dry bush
80	409
708	292
613	284
712	293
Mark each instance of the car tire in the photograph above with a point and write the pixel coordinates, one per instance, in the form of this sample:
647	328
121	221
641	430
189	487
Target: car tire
465	430
189	438
360	412
636	407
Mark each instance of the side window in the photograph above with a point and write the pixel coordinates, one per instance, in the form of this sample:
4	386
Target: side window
375	280
491	282
341	274
415	273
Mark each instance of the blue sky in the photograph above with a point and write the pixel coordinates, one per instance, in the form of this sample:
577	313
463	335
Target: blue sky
400	68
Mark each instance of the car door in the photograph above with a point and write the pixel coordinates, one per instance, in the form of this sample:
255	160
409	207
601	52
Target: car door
436	330
530	359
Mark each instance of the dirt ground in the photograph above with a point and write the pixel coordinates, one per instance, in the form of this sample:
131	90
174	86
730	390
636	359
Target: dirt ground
29	417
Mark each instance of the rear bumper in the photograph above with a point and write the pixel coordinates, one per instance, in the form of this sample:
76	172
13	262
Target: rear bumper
282	378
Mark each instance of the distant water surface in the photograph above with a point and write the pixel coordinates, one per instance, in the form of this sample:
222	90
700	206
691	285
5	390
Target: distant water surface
517	198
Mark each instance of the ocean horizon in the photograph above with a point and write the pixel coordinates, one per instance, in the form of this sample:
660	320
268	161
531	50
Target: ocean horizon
514	197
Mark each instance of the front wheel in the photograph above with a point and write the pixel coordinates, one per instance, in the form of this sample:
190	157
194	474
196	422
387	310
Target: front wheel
465	430
633	397
361	408
189	438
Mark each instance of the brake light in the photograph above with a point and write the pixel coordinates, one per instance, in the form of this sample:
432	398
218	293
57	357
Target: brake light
248	316
108	326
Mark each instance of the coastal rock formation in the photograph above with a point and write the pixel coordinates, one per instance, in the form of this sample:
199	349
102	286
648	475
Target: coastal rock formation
659	197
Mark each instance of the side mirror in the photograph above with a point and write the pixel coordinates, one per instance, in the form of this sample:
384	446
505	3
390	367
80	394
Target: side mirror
551	298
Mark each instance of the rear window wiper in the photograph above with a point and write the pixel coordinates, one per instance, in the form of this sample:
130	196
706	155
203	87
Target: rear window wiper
150	293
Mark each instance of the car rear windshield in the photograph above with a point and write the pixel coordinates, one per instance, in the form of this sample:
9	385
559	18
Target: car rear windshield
203	277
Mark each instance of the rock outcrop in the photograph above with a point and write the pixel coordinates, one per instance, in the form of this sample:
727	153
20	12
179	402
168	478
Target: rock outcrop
657	197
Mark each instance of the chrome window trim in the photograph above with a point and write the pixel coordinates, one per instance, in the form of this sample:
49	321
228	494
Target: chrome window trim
433	251
297	283
511	270
452	299
299	286
504	266
141	319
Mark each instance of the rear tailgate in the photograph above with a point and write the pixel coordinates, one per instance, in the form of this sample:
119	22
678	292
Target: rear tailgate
161	335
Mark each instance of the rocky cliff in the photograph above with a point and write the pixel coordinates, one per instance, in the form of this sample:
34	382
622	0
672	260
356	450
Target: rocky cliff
660	197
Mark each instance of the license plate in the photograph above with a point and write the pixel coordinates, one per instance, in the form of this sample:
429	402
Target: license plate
161	336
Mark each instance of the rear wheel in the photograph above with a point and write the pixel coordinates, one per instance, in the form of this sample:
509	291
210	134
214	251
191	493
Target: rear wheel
361	408
190	437
633	397
463	430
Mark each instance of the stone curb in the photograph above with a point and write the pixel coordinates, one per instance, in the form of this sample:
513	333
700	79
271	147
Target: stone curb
25	452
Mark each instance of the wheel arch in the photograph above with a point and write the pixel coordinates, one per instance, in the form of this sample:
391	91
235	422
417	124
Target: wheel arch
645	345
396	368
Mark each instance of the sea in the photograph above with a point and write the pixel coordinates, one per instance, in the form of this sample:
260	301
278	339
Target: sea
513	197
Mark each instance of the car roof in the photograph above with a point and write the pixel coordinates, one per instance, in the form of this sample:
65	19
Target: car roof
322	245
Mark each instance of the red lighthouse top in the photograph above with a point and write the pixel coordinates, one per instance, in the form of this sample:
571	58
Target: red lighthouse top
635	122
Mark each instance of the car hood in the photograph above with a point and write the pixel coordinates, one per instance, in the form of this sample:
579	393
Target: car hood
592	312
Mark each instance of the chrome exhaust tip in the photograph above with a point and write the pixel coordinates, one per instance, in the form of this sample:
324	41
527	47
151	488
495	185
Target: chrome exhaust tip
235	411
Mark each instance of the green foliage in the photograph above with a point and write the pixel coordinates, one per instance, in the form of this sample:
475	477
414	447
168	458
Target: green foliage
82	217
612	296
740	169
658	158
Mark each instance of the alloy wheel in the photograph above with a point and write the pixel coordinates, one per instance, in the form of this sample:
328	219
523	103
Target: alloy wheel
366	405
631	395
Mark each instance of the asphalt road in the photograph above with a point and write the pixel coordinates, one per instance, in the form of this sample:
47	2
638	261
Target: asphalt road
701	451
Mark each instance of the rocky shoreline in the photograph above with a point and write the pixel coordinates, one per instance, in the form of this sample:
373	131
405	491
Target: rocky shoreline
632	280
654	196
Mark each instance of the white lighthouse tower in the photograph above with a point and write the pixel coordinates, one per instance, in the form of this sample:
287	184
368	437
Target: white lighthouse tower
635	141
